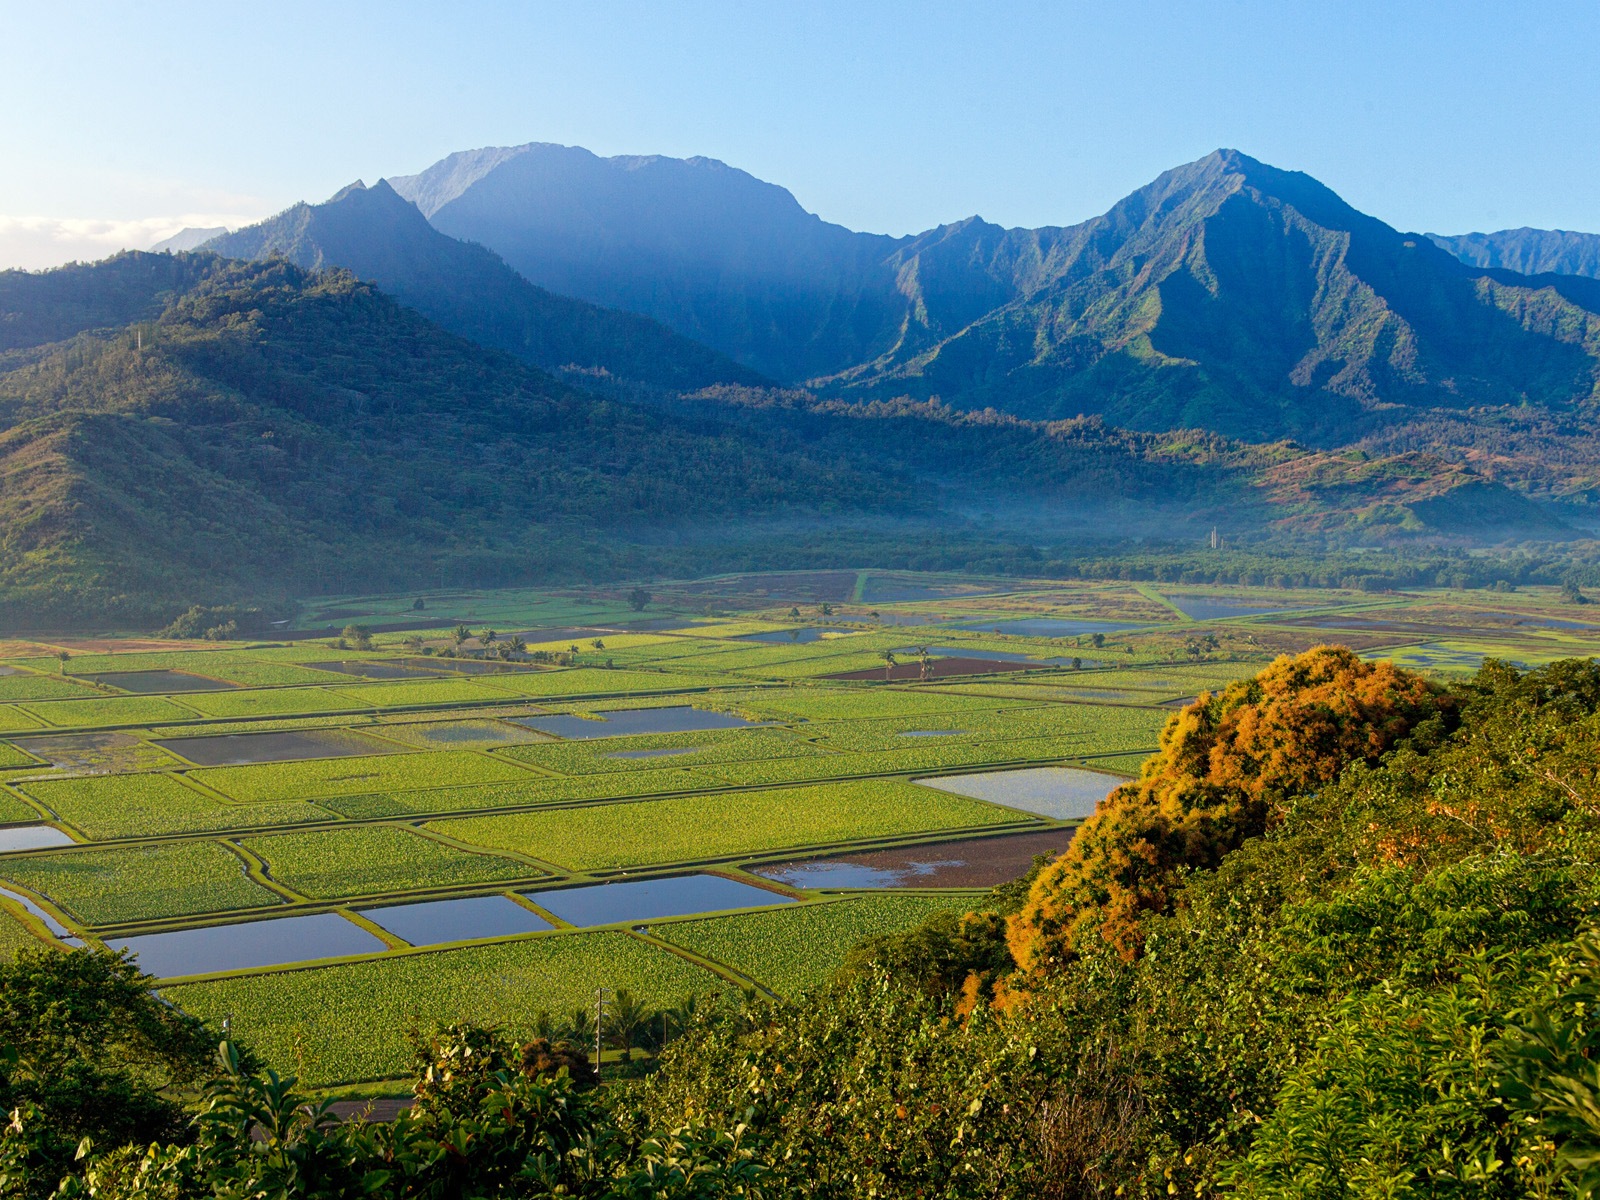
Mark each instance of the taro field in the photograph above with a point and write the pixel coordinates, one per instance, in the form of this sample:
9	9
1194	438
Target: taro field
728	791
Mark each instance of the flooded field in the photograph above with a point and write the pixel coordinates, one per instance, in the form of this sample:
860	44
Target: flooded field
239	749
630	721
31	837
971	862
483	732
650	899
96	753
1200	607
435	921
374	670
247	944
799	637
1062	793
54	926
153	683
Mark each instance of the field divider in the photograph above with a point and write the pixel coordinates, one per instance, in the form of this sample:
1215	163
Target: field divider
257	869
522	901
721	970
444	839
376	930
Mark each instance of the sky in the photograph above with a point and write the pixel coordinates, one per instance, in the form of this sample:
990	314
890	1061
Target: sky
123	123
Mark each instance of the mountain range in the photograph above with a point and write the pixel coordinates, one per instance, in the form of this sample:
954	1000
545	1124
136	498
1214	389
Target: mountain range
538	364
1226	294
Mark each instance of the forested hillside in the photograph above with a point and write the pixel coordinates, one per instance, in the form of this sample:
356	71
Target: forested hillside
178	428
272	429
470	291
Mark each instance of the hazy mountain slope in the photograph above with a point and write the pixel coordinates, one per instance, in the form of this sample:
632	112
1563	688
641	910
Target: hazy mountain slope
1124	482
1233	296
188	238
711	251
470	291
279	431
1530	251
1226	295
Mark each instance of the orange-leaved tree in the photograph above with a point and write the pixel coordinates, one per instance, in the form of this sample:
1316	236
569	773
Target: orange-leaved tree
1228	764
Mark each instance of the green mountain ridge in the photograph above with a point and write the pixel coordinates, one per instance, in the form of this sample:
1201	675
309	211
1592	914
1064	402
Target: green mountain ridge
256	431
272	430
1530	251
1227	294
471	292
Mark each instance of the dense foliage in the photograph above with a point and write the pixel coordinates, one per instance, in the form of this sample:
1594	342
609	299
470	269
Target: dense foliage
1228	767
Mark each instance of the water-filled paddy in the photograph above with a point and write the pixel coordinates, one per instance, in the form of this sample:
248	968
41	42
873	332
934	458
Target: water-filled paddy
630	721
50	923
434	921
241	749
243	945
650	899
31	837
1199	607
153	683
970	862
374	670
811	633
1065	793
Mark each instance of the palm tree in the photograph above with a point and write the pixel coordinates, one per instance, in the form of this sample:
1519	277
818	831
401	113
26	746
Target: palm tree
888	664
517	644
460	634
486	639
627	1019
922	657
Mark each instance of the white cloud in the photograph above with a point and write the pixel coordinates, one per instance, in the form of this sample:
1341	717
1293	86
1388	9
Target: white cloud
35	242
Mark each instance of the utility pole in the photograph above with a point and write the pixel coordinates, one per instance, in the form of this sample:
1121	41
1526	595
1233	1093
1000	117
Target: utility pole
599	1016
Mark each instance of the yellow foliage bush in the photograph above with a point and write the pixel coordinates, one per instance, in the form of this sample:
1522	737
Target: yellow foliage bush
1227	763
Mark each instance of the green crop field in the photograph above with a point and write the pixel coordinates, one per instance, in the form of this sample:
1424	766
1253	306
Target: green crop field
478	801
150	805
12	758
269	702
535	790
27	686
328	864
14	935
14	811
717	746
792	950
350	1021
108	710
174	879
682	829
350	776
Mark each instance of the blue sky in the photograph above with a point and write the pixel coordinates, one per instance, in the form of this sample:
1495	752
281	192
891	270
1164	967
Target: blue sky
125	121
